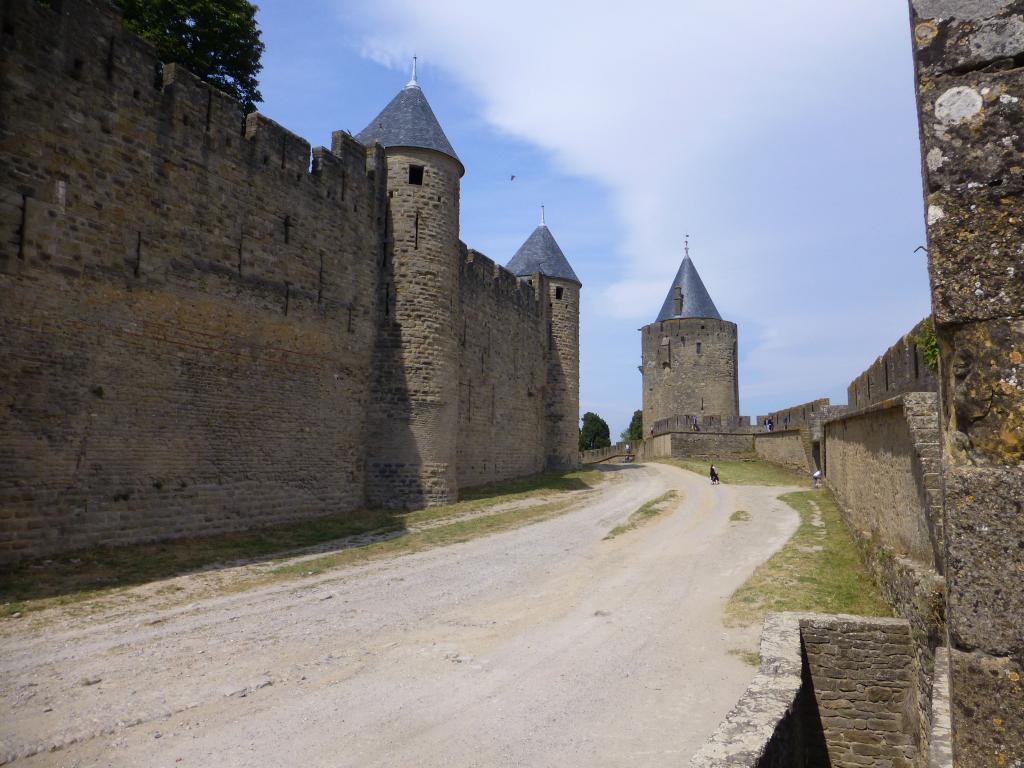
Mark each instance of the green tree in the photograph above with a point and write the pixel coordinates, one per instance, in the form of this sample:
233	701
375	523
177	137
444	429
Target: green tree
594	433
217	40
635	430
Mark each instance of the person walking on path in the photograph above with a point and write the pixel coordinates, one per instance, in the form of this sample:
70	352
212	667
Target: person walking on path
714	476
816	477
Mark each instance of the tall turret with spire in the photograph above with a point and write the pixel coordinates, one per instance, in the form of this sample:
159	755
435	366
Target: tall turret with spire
412	451
541	260
690	359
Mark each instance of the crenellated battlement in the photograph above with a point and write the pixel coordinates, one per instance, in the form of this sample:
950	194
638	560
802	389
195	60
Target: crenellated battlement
482	272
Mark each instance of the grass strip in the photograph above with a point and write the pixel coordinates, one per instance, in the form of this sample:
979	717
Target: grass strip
418	541
818	569
652	508
739	516
85	574
742	471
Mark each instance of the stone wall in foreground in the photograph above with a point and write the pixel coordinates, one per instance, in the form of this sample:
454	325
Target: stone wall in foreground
968	58
830	690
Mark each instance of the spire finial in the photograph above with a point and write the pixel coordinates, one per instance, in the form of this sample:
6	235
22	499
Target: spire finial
686	246
412	81
542	215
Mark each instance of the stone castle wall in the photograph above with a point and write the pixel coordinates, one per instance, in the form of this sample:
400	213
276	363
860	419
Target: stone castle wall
202	327
784	448
501	376
677	379
186	349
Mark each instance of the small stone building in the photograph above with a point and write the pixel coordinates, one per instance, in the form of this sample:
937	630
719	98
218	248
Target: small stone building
690	355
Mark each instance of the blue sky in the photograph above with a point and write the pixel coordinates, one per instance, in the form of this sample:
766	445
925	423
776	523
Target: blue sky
784	141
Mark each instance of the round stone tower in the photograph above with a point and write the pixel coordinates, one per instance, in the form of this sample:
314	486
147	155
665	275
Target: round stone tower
690	355
541	258
412	440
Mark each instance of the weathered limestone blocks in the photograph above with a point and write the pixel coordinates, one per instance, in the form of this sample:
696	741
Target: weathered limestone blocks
985	550
970	82
830	690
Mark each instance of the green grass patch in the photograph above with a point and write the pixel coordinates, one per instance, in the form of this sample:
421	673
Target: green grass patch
739	516
742	471
418	541
818	569
652	508
753	658
78	576
547	482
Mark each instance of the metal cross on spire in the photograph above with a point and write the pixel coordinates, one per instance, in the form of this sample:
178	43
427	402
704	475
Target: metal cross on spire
686	245
412	81
542	216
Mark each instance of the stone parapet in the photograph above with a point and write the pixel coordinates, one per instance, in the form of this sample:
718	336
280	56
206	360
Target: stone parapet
830	690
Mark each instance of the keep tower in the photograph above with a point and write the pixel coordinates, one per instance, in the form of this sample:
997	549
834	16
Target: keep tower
690	354
412	435
541	259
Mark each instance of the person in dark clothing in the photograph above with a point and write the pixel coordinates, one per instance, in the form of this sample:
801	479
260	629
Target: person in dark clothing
714	475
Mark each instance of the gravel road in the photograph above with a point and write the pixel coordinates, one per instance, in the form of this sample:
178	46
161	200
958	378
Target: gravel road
542	646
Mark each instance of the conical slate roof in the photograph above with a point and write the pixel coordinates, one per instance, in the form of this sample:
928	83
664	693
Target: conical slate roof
408	121
540	253
696	299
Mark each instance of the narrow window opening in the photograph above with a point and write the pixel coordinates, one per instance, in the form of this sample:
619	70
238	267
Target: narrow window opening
416	232
678	309
287	228
241	242
558	292
698	347
387	299
343	180
416	175
916	371
23	227
110	60
702	403
350	319
885	363
320	283
138	253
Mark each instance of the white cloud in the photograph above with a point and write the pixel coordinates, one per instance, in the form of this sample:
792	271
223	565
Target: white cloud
766	130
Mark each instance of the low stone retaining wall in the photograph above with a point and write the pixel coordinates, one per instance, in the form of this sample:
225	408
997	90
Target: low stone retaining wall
783	448
881	463
831	690
597	455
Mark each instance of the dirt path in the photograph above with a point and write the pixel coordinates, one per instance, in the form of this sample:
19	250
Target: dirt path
545	645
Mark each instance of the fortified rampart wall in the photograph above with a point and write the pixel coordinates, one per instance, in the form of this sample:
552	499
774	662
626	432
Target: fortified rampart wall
502	375
195	303
784	448
186	345
901	368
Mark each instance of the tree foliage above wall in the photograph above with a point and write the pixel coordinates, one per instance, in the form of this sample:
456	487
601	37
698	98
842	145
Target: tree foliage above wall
217	40
635	430
594	433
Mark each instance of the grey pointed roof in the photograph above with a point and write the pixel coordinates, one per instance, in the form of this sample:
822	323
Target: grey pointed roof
696	299
408	121
540	253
